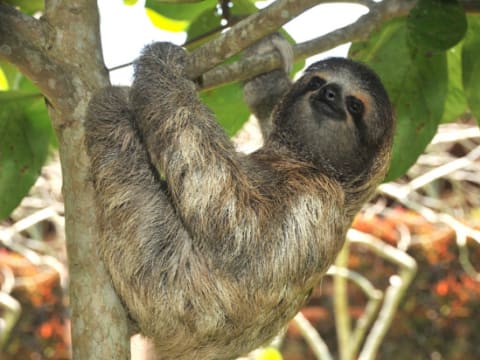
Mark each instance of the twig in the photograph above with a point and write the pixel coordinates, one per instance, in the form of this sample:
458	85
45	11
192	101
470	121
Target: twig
313	339
363	323
11	313
393	294
340	303
455	134
399	193
464	257
7	235
442	171
359	280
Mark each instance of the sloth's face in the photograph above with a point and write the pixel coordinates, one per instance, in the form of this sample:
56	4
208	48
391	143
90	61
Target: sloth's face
339	116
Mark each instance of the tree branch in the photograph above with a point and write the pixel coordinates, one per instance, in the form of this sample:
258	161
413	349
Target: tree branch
245	33
357	31
393	294
22	43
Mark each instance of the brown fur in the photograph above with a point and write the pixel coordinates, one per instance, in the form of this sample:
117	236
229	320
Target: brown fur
215	259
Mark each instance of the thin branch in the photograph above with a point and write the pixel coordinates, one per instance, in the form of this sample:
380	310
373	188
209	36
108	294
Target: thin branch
245	33
464	257
360	30
400	193
313	339
363	323
340	303
443	170
7	238
359	280
11	313
394	293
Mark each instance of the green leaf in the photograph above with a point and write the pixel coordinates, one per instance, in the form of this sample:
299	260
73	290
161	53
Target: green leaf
471	65
27	6
208	22
165	23
228	106
186	12
25	132
436	24
455	103
417	85
17	81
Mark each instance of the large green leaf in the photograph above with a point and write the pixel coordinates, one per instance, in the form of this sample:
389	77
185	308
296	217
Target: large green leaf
471	65
455	102
417	85
17	81
436	24
25	132
204	27
228	106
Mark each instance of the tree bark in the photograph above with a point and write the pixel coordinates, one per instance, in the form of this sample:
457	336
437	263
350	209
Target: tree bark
61	53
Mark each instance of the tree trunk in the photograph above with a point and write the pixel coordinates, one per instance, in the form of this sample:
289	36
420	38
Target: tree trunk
61	53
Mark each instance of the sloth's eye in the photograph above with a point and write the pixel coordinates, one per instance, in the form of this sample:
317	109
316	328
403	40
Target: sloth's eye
315	83
355	106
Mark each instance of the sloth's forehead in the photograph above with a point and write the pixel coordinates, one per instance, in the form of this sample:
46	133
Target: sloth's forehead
343	77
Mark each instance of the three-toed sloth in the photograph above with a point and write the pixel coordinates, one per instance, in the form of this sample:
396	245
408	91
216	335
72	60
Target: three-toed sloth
212	252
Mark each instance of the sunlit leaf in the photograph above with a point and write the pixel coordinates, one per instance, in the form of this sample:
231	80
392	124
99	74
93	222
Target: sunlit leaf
436	24
12	75
184	11
269	354
471	65
417	85
3	81
25	132
165	23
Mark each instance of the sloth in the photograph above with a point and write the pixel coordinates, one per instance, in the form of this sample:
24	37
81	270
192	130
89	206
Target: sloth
212	252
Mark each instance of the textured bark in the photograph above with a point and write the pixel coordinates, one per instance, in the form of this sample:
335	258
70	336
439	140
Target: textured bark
61	54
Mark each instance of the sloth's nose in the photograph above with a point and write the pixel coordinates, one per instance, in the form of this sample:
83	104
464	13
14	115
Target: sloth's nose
330	93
